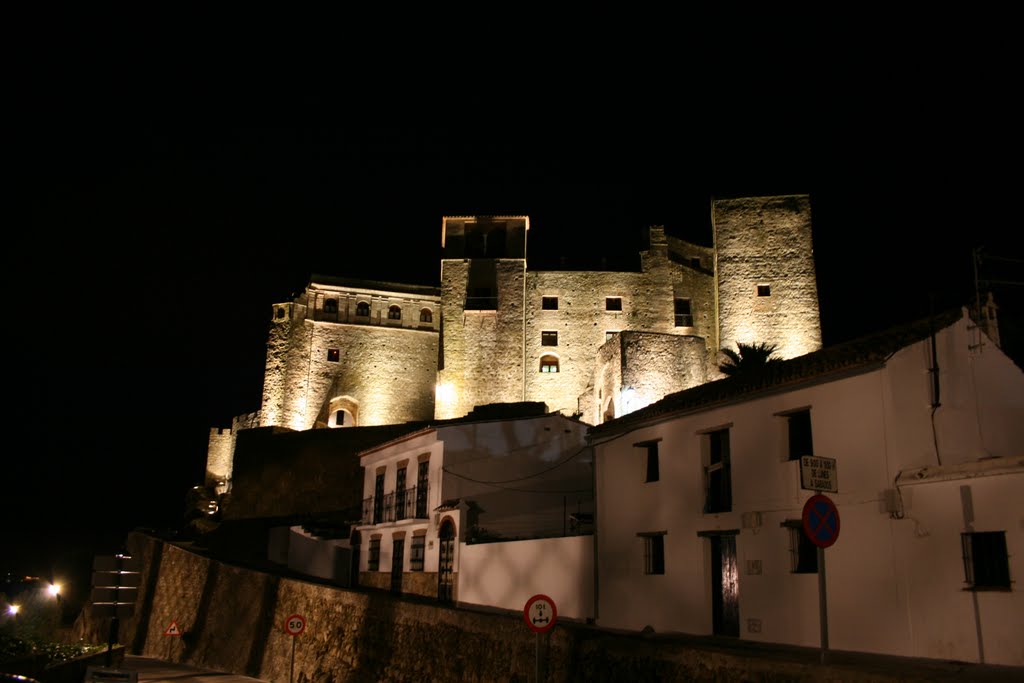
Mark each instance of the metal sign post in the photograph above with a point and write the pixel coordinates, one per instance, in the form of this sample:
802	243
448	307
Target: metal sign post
821	525
540	615
294	626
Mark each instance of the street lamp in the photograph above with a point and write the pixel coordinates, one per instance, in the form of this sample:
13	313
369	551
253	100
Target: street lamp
12	609
54	589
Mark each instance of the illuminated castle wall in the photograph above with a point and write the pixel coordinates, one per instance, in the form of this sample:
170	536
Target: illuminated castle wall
597	344
350	352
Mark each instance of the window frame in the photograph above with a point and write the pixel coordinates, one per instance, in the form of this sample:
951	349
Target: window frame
764	291
611	307
723	501
373	555
803	554
686	318
362	306
333	355
654	552
651	460
546	362
549	303
417	543
394	312
549	338
996	563
426	315
799	444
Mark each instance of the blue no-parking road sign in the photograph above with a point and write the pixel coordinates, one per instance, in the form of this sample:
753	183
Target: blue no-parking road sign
821	521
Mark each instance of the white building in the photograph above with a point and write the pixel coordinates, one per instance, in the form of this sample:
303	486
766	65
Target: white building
487	477
700	501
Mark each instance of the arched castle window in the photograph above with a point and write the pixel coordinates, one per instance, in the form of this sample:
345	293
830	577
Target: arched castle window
426	316
363	309
394	313
330	305
549	363
344	411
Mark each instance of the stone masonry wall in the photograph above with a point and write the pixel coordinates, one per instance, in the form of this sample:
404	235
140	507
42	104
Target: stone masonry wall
483	349
767	241
232	620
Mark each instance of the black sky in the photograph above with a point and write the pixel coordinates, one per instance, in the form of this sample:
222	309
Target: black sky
166	193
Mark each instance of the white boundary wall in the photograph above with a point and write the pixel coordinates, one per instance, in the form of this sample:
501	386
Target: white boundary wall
507	574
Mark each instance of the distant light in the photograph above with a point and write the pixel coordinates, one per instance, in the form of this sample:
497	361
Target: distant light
12	610
54	589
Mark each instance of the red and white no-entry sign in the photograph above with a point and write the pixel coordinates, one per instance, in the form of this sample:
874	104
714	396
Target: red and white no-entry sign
295	624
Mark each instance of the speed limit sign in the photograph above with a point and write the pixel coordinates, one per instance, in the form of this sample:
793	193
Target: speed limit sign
295	624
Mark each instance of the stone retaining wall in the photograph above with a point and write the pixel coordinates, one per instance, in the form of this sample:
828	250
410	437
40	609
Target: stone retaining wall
233	619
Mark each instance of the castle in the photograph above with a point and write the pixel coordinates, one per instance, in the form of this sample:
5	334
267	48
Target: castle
590	344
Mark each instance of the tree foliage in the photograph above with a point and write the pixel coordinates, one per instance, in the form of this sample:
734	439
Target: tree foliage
748	358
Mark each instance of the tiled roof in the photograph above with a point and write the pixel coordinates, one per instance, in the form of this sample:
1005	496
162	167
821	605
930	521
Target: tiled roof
846	358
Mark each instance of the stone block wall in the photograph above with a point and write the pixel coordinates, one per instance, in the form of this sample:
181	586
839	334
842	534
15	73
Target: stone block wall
482	354
233	621
278	473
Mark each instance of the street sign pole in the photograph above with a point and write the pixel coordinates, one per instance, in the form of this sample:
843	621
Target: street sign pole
822	604
821	526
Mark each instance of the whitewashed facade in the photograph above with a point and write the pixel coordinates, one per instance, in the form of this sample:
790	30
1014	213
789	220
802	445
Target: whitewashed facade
467	480
929	451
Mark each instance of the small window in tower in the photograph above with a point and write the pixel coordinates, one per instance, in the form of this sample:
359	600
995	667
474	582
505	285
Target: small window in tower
613	303
549	303
549	338
394	313
363	309
333	355
426	316
609	334
684	318
549	363
280	313
764	290
330	305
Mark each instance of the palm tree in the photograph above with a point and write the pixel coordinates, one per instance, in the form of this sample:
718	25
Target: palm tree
748	358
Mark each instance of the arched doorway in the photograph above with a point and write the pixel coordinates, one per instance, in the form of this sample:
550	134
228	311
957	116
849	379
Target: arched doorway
446	561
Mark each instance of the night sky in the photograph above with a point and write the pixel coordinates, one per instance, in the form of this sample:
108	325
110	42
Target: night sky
163	202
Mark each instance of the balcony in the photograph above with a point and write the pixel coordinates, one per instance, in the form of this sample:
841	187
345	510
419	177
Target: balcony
395	506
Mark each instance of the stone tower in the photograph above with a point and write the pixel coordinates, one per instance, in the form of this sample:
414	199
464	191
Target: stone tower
483	280
765	286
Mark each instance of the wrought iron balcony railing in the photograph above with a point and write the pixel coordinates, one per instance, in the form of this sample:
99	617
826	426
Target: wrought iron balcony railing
408	503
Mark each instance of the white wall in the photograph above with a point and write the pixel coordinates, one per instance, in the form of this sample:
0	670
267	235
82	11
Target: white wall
328	559
506	575
894	586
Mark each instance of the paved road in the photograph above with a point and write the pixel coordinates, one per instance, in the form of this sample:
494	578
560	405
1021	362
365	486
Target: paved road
156	671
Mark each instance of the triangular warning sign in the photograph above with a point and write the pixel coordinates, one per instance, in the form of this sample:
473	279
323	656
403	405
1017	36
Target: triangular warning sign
173	629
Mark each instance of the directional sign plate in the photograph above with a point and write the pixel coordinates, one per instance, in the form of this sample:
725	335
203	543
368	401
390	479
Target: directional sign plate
540	613
821	521
818	474
121	595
